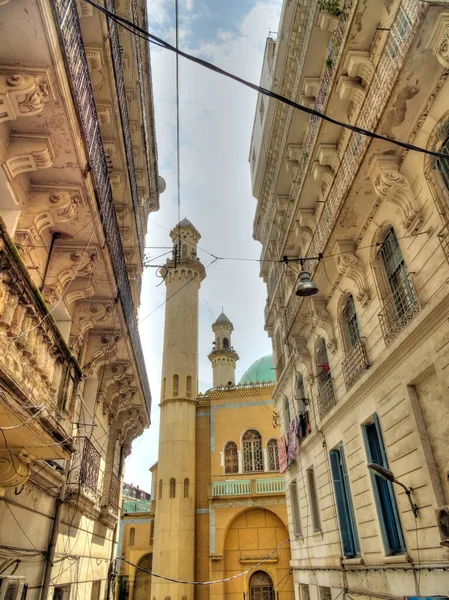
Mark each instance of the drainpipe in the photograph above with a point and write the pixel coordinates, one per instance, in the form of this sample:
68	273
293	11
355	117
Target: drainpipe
51	548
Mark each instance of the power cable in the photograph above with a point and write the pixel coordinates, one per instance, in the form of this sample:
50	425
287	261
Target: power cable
261	90
172	580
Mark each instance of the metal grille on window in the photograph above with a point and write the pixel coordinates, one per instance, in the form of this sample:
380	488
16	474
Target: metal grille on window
400	304
252	451
231	458
273	456
186	487
160	489
132	536
175	385
261	586
188	386
355	362
325	387
172	487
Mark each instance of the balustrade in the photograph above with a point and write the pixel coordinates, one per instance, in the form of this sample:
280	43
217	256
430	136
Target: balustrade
269	486
245	487
354	364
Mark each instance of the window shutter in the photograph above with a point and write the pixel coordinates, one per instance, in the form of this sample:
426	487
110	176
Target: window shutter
340	496
351	512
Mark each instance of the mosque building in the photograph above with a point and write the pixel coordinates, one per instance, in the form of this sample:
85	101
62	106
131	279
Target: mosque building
218	505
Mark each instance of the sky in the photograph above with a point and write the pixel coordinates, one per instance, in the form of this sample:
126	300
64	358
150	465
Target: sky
216	118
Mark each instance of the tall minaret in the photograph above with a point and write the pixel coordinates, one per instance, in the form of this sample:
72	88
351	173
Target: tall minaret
223	356
174	532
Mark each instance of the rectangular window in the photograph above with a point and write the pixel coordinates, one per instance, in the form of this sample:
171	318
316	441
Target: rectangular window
325	593
96	588
313	497
383	491
294	501
345	509
61	592
304	591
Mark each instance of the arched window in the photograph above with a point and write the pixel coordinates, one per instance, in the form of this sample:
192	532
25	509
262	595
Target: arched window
398	297
326	396
172	487
350	324
226	343
273	457
132	536
160	489
175	385
252	451
231	460
287	417
164	387
186	487
261	586
189	386
437	169
355	362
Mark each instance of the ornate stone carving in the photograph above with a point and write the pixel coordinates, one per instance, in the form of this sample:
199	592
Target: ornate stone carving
116	178
94	57
23	93
84	9
358	64
322	323
104	112
392	186
65	205
350	266
302	355
86	316
27	152
438	40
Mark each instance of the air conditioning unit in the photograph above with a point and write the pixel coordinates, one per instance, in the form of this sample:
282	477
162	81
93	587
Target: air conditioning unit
13	588
442	514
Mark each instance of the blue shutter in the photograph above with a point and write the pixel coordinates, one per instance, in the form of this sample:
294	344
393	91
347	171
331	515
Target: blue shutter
349	501
345	527
383	491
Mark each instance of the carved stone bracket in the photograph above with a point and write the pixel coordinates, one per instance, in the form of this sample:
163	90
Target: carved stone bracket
350	89
27	152
327	21
130	424
101	350
359	64
302	355
94	57
88	315
350	266
395	187
292	160
322	323
23	92
439	39
84	9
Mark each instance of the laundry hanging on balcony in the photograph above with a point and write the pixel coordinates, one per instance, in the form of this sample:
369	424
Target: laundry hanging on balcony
282	453
292	441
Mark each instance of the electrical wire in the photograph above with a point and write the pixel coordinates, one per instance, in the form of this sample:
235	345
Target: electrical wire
42	408
172	580
261	90
19	525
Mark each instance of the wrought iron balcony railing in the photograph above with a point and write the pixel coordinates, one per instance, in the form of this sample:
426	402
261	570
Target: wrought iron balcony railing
326	396
443	236
113	502
398	310
123	108
86	466
354	364
66	19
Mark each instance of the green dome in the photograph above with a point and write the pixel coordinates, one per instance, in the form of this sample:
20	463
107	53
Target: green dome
261	370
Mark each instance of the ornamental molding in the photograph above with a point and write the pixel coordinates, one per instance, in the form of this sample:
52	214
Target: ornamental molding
94	55
302	23
84	9
104	112
358	64
101	350
302	355
392	186
322	323
438	41
350	266
24	92
27	152
86	316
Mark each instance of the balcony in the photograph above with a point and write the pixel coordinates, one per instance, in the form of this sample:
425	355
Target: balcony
354	364
85	469
399	310
111	495
326	396
247	487
137	507
66	19
38	371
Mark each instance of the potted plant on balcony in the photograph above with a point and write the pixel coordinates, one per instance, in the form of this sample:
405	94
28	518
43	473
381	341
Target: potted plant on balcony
331	6
328	63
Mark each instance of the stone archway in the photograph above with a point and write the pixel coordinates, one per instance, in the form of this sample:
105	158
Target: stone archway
142	582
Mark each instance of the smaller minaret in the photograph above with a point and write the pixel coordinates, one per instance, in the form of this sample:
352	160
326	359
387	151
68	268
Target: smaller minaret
223	356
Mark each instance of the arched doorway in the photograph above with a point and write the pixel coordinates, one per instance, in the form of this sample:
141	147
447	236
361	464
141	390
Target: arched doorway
261	586
142	583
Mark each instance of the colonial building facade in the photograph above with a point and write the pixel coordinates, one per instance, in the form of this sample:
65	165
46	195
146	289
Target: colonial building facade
367	356
78	179
218	503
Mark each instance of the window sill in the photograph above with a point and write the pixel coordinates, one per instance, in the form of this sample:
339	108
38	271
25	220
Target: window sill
397	559
318	534
358	560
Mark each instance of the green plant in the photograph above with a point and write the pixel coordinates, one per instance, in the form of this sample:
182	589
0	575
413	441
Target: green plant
331	6
328	63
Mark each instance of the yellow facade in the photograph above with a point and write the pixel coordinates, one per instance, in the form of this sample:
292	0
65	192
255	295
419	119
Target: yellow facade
218	501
